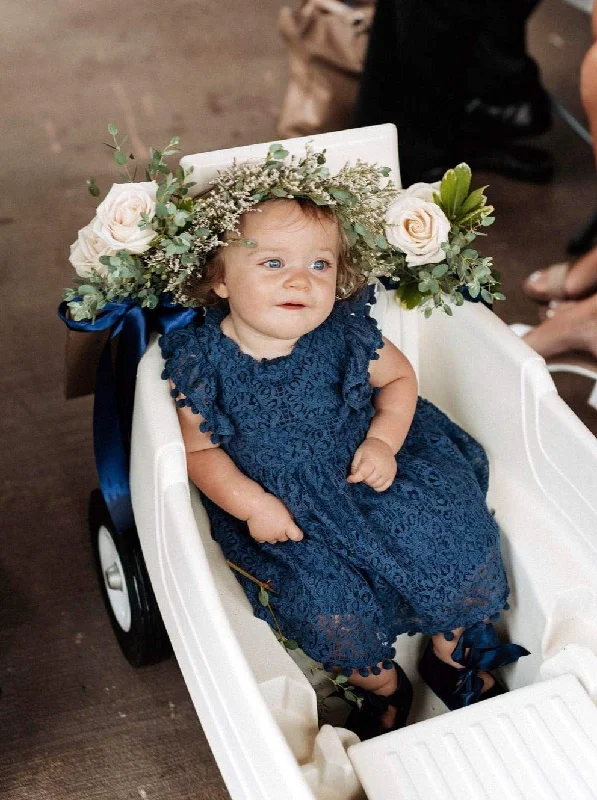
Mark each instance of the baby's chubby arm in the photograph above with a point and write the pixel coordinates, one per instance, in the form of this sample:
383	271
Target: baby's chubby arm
216	474
374	461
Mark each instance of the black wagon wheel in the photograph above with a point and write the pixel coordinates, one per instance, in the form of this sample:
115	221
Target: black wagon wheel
126	588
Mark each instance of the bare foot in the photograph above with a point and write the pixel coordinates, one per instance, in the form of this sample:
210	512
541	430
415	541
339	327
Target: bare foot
564	281
567	326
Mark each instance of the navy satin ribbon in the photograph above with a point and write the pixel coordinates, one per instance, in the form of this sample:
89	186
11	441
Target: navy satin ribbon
115	390
479	648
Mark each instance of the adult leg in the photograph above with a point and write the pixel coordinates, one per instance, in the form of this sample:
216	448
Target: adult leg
581	277
415	75
507	99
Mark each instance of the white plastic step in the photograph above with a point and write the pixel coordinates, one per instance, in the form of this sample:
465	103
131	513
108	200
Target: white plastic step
537	742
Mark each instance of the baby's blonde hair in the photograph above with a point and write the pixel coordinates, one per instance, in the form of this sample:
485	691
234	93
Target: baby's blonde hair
348	281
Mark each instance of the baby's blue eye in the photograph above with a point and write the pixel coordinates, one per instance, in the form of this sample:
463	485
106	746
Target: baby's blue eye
320	265
273	263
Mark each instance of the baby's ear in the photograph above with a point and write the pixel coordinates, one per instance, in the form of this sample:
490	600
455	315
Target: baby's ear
221	289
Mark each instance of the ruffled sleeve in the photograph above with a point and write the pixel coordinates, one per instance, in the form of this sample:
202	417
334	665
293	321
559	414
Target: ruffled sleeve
362	340
190	369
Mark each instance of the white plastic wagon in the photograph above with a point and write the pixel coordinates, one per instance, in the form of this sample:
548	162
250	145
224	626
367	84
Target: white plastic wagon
258	709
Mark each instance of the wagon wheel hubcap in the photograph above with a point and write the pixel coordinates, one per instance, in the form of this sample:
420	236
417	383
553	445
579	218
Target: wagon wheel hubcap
114	579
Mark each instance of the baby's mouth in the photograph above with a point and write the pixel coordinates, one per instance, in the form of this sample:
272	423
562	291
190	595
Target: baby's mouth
292	306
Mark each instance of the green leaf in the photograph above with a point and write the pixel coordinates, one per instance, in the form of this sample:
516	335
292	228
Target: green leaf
454	189
264	598
180	218
350	696
409	294
474	289
161	211
487	296
112	129
448	310
93	187
381	242
487	221
351	237
440	270
120	158
276	152
499	296
341	678
475	200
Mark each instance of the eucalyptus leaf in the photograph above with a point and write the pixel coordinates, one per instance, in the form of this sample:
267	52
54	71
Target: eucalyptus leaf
440	270
112	129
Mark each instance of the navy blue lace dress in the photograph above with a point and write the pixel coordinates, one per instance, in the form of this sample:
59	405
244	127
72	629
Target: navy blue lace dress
423	556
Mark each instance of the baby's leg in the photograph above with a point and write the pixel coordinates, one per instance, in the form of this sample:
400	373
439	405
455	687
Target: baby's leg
443	649
385	684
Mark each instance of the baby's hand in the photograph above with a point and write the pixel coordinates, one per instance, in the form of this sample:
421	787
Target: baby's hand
375	464
271	522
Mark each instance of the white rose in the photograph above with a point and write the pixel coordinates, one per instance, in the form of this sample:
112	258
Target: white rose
418	228
422	190
86	251
119	215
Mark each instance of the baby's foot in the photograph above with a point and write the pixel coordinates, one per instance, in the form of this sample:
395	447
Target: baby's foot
486	677
567	326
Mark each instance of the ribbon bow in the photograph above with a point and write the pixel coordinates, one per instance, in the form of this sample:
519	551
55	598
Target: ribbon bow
115	390
479	648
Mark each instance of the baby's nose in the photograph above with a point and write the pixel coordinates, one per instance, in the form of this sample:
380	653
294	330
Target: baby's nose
298	278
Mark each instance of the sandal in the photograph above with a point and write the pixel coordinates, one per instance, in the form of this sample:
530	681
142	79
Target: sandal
366	720
478	649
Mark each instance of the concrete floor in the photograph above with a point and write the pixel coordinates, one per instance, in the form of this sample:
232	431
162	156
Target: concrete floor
76	721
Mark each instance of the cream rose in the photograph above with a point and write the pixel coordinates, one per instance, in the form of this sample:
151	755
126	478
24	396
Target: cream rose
86	251
424	191
119	215
418	228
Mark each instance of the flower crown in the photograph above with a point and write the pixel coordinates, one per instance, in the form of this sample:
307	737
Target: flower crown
147	239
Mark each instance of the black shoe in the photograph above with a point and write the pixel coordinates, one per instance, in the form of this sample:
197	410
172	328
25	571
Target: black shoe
447	682
498	122
478	649
366	720
521	162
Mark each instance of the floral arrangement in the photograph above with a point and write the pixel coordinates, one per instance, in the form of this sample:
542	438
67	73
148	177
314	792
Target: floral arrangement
148	238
